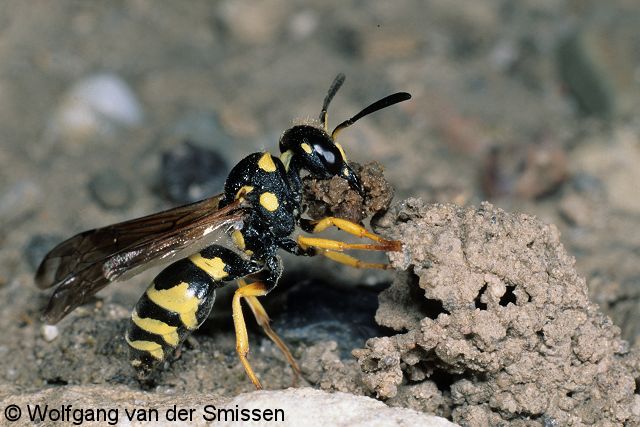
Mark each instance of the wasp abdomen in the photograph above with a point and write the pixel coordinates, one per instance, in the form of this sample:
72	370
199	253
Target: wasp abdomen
177	302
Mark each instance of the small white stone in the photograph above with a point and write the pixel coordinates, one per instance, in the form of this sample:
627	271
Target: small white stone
107	95
19	200
97	104
254	22
50	332
504	54
303	24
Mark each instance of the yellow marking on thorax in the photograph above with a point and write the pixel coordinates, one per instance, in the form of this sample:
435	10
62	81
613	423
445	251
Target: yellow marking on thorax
345	172
214	267
168	333
266	163
285	158
306	147
344	156
153	348
244	190
238	239
269	201
178	299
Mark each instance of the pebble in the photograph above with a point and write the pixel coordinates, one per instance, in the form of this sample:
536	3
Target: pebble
18	201
303	24
38	246
576	210
97	104
11	374
527	171
203	127
50	332
583	77
191	173
504	54
110	190
253	22
584	182
346	40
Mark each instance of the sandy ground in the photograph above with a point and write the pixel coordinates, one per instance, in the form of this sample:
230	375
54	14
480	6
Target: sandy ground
531	105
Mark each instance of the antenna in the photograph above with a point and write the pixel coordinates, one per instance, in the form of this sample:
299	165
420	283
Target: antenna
378	105
337	82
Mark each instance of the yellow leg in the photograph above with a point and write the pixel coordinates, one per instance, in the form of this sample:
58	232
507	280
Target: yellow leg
242	339
336	245
345	225
351	261
332	248
263	320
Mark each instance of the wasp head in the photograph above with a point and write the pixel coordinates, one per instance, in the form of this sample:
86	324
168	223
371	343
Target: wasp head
313	149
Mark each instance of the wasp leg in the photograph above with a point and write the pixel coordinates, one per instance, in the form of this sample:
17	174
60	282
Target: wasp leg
242	338
337	245
350	227
263	320
266	280
343	258
333	249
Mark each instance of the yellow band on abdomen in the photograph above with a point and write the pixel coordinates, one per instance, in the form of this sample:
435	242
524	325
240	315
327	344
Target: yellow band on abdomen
214	267
179	299
168	333
153	348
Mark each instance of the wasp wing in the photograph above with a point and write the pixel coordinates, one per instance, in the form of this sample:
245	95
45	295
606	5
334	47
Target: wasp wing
89	261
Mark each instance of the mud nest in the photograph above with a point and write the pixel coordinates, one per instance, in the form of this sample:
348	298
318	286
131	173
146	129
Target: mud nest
334	197
494	325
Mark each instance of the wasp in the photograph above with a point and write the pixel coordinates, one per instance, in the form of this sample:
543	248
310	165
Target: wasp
259	210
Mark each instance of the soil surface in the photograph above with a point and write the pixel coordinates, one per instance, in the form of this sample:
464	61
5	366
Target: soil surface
114	110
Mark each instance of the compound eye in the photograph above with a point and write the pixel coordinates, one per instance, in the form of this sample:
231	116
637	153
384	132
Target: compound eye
330	156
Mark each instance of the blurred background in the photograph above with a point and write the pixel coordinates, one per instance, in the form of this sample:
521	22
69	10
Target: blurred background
531	104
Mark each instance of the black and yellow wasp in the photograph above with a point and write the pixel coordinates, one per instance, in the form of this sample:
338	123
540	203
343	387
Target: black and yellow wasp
259	209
